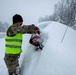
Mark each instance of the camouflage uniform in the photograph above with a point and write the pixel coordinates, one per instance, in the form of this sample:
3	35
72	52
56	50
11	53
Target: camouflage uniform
11	60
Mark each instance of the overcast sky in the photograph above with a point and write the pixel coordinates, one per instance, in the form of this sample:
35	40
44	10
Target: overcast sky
30	10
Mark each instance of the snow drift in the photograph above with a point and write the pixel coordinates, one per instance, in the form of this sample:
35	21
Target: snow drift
56	58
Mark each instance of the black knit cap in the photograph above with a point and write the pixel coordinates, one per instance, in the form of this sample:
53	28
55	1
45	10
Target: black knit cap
17	18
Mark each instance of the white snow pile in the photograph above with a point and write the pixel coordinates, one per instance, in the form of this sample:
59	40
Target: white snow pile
56	58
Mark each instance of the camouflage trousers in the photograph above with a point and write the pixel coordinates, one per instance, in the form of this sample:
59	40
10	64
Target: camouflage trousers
12	63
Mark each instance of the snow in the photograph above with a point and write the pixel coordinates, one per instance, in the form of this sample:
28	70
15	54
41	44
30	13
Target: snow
56	58
2	34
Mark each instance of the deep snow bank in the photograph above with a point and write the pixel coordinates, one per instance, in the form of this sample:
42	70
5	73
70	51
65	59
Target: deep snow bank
57	58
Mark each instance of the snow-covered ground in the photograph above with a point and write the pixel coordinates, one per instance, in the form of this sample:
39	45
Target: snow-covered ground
56	58
2	34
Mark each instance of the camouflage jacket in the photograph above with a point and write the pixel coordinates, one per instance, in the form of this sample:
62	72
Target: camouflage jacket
13	30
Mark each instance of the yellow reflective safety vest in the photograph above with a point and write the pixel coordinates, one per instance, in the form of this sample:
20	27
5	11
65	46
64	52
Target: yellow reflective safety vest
13	44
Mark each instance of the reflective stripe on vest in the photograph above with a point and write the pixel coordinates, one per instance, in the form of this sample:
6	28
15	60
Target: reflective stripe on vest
11	40
13	44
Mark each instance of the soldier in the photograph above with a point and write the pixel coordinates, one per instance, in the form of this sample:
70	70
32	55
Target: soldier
13	42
